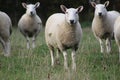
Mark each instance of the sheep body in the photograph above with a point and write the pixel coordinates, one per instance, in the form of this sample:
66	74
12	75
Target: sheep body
29	26
5	32
64	32
61	35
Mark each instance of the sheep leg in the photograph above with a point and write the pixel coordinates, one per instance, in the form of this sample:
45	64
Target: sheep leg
108	45
65	60
33	42
119	53
28	42
57	57
118	43
3	43
73	55
52	57
7	48
101	45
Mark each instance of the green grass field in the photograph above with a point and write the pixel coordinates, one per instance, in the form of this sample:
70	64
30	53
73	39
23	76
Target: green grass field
34	64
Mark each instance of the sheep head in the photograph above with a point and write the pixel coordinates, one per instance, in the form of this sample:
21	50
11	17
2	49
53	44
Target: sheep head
100	9
31	8
71	14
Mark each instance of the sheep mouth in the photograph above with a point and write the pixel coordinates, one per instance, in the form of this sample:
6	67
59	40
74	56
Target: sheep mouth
31	14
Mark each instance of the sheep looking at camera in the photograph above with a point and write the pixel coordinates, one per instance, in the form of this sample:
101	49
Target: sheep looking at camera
103	24
63	31
5	32
30	23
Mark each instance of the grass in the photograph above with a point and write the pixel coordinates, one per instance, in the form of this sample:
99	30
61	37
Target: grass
34	64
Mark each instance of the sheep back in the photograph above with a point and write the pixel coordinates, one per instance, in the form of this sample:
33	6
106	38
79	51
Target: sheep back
60	34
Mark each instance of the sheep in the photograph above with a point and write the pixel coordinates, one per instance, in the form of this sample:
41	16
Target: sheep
103	24
117	33
62	32
5	32
30	23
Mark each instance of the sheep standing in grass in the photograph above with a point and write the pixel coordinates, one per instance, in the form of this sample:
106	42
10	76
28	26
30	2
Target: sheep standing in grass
103	24
30	23
63	31
5	32
117	33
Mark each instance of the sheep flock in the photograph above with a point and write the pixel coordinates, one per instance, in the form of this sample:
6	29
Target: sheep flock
63	30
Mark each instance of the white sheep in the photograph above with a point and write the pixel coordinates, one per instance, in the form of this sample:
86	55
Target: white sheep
30	23
103	24
5	32
63	31
117	33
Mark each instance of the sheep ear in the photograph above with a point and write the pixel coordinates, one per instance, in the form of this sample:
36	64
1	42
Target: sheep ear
37	4
63	8
24	5
79	9
106	3
93	4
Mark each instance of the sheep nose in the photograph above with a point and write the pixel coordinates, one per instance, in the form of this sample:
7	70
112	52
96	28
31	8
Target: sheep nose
31	13
71	21
100	14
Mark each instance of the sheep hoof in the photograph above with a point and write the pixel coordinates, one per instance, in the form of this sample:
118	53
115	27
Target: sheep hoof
108	52
57	62
74	68
52	65
119	61
7	55
33	46
66	69
28	47
102	51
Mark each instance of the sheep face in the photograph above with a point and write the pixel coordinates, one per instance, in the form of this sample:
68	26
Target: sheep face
100	9
71	14
31	8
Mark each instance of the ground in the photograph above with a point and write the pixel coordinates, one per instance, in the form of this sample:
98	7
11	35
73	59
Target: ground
34	64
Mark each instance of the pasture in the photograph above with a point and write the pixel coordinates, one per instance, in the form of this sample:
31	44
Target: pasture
34	64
